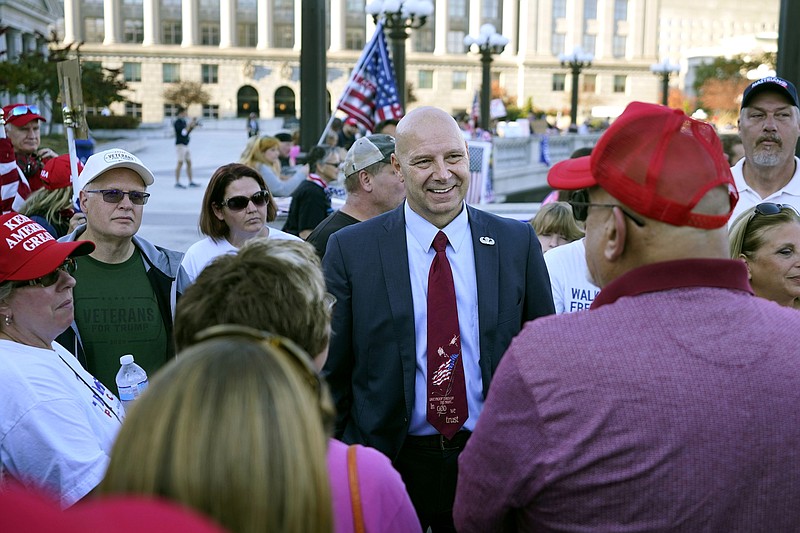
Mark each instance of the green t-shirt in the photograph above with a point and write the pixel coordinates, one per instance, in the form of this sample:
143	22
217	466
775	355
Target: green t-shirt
117	313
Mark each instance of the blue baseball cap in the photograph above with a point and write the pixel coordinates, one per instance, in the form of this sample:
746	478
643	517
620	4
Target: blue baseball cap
770	83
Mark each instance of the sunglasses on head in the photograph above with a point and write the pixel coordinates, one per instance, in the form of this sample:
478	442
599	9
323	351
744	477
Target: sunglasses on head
287	347
579	200
24	110
69	266
237	203
115	196
768	208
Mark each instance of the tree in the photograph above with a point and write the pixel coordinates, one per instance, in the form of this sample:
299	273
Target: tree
719	84
186	93
36	74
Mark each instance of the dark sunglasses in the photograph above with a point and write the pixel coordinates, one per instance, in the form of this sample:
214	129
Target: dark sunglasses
115	196
24	110
69	266
768	208
579	200
287	347
237	203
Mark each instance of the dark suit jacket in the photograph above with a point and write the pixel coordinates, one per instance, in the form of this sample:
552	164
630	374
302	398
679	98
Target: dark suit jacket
372	359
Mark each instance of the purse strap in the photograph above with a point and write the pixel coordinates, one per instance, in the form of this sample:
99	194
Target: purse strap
355	493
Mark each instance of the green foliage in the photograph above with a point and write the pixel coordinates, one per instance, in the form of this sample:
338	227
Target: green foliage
112	122
186	93
730	69
101	86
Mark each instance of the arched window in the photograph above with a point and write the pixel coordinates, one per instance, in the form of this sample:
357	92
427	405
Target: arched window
246	101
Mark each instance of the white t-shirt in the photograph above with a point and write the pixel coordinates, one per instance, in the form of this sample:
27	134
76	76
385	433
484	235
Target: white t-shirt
57	422
569	277
790	194
204	251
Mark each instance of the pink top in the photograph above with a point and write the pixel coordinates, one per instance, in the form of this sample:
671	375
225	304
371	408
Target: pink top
384	501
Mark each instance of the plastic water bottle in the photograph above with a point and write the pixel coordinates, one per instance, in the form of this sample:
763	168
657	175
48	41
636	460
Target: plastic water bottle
131	381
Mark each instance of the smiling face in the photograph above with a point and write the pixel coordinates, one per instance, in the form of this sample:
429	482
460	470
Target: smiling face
769	127
25	139
40	314
432	157
775	267
248	222
113	221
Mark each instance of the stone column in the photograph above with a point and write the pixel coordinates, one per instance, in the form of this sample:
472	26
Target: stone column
189	13
511	20
227	23
151	21
111	17
440	29
264	15
298	25
337	25
73	32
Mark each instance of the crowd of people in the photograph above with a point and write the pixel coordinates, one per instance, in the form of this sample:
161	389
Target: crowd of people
397	364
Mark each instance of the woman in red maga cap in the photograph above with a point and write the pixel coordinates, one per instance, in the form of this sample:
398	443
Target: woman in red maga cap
57	422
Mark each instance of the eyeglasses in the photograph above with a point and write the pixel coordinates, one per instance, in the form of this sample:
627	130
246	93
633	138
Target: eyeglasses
579	200
69	266
115	196
337	165
301	360
24	110
237	203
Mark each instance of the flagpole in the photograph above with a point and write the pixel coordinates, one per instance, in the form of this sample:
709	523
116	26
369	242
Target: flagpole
356	71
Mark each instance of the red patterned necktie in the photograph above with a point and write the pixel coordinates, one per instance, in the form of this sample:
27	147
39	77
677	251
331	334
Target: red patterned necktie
447	390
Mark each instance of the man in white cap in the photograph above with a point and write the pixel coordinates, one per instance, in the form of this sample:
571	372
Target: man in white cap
769	125
127	287
373	187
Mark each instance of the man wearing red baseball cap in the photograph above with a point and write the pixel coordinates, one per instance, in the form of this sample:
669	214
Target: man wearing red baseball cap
347	135
672	403
23	130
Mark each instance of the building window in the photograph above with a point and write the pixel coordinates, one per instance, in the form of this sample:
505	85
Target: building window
354	38
620	82
246	34
171	72
589	83
209	73
491	10
423	39
455	42
459	80
133	31
171	32
589	43
618	45
620	10
132	109
559	9
557	44
132	71
589	9
171	110
210	111
425	79
94	30
559	82
209	33
457	9
283	29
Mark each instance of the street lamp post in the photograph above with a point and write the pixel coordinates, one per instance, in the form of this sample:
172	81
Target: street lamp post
576	61
399	16
665	69
489	42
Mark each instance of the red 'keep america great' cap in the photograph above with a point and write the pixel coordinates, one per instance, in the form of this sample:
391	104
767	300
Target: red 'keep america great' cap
657	161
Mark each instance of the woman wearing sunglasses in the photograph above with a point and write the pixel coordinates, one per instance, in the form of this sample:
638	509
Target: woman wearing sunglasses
57	422
767	238
236	208
311	201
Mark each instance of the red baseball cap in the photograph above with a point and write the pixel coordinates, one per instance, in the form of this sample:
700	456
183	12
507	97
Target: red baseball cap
351	122
657	161
31	113
56	173
28	251
28	511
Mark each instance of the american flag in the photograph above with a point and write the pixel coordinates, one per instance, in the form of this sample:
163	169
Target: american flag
476	111
371	95
13	185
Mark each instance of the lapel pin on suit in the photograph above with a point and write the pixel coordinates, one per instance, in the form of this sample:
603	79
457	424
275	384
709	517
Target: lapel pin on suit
487	241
